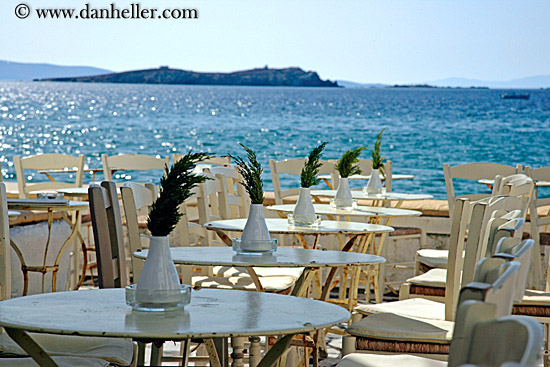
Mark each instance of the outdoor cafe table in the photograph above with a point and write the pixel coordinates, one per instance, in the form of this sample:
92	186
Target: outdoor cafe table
375	213
212	313
327	178
397	197
311	260
281	226
50	206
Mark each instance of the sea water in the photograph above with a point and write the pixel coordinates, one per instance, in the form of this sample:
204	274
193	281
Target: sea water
425	127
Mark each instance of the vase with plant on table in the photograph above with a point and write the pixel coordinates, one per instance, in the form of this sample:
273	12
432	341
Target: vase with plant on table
374	186
255	239
346	167
304	212
158	287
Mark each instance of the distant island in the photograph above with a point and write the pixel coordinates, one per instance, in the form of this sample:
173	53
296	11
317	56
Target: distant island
287	77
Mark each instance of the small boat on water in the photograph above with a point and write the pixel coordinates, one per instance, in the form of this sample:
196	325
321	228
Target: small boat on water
515	96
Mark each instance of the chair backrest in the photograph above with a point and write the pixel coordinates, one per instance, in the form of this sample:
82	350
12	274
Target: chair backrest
294	167
480	339
208	202
476	245
137	200
512	249
131	162
5	262
542	219
474	172
108	235
216	161
233	200
47	162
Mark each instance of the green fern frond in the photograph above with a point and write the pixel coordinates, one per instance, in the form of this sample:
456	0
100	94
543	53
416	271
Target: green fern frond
252	175
346	164
308	177
377	159
175	187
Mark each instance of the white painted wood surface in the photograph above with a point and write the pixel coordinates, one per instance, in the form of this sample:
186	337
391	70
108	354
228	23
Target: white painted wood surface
212	313
390	196
283	257
359	211
281	226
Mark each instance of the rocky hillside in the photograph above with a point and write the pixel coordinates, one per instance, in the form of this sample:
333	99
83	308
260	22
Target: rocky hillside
288	77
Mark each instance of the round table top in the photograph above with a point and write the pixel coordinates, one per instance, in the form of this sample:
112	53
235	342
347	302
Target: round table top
282	258
366	177
281	226
211	313
390	196
46	204
359	211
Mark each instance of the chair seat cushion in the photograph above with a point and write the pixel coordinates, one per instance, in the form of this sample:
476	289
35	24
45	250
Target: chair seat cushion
413	307
536	297
433	258
226	271
61	362
388	326
534	303
270	284
114	350
378	360
433	278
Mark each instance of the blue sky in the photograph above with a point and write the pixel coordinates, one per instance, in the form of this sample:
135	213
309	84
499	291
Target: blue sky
387	41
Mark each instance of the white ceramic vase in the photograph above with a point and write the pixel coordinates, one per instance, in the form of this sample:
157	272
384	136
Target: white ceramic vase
304	212
343	198
374	186
159	272
255	228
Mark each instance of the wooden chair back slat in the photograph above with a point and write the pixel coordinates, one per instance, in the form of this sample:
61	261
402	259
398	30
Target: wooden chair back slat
131	162
108	235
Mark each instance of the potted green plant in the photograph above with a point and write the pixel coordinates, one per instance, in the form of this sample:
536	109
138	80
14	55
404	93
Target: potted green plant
346	167
304	213
159	272
374	186
255	238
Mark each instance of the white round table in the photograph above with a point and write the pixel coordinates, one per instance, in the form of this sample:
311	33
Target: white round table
212	313
281	226
312	260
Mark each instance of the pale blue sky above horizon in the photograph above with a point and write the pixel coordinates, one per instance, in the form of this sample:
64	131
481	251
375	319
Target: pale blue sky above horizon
384	41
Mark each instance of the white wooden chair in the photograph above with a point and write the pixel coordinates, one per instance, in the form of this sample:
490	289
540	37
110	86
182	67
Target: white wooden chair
131	162
474	172
66	350
479	339
495	282
515	185
294	167
438	313
45	162
488	216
